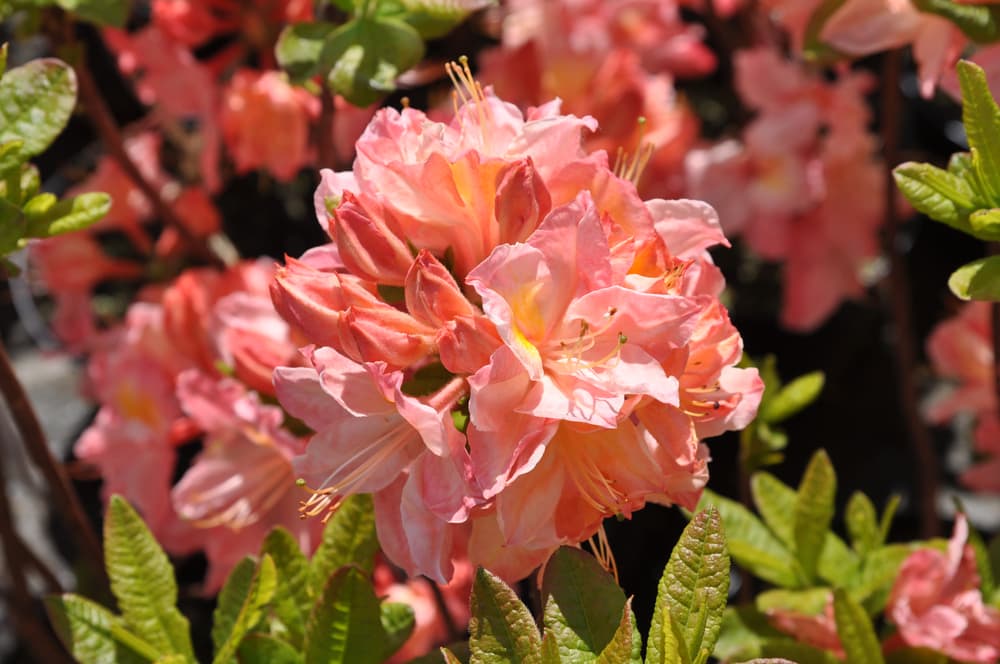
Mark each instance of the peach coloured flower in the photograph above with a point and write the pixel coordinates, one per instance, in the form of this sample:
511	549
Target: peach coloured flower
242	484
175	85
198	214
265	122
961	351
819	631
936	602
431	628
803	184
863	27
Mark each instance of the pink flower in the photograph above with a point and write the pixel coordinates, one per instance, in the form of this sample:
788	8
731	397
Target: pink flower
936	602
961	351
265	123
242	484
819	631
863	27
793	187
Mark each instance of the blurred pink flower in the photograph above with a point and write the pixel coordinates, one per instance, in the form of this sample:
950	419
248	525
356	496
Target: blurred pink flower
242	484
265	123
863	27
819	631
936	602
961	351
803	185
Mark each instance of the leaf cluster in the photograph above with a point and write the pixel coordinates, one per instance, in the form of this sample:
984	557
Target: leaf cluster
362	58
36	101
762	441
279	607
966	195
101	12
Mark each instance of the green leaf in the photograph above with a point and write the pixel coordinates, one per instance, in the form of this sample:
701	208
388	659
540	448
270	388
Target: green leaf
808	601
981	118
885	523
985	224
230	600
814	508
775	501
265	649
71	214
665	644
837	565
813	48
36	100
345	623
583	604
937	193
11	157
695	584
3	58
862	523
793	397
878	574
978	280
449	657
987	582
744	629
102	12
800	653
501	628
979	23
855	629
368	54
292	598
398	621
915	656
143	581
299	49
436	18
752	545
91	633
12	227
348	539
242	608
619	649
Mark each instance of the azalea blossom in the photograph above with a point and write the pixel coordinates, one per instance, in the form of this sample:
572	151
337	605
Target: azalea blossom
580	347
936	602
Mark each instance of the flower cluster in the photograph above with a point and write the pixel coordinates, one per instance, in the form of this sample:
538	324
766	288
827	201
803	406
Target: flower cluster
803	183
508	345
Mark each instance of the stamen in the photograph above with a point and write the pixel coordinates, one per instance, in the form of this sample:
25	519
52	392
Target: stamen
320	501
602	552
468	89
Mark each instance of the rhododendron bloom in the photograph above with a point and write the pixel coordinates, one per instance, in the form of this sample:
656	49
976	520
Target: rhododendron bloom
265	122
936	602
540	292
961	351
819	631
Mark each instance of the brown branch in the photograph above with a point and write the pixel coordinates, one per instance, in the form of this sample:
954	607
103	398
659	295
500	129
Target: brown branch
106	127
927	472
67	503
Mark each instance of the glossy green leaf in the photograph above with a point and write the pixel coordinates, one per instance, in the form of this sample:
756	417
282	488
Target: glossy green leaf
501	628
855	630
292	598
793	397
259	648
814	508
619	650
300	47
142	581
36	100
978	280
937	193
665	644
862	523
752	545
583	604
775	501
345	625
91	633
102	12
695	584
981	118
397	621
367	55
53	217
241	608
979	23
436	18
348	539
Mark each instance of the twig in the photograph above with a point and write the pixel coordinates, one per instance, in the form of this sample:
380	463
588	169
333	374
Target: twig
55	475
106	127
899	294
454	633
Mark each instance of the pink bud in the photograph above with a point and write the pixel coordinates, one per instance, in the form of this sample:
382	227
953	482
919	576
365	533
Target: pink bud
522	201
386	334
368	246
466	343
432	296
